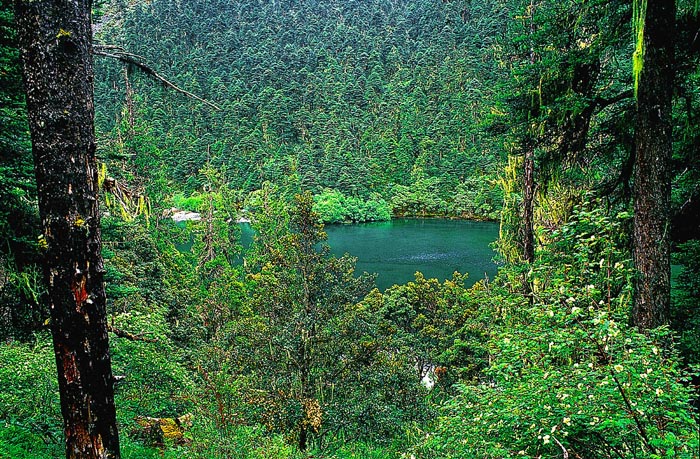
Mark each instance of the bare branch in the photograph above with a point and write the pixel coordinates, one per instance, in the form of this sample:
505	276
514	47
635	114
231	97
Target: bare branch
125	334
134	60
103	47
563	450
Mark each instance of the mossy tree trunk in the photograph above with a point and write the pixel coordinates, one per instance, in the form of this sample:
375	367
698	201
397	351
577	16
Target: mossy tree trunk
652	182
529	204
55	43
529	159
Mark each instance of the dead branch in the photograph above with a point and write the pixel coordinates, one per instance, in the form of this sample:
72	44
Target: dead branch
125	334
129	202
564	451
135	60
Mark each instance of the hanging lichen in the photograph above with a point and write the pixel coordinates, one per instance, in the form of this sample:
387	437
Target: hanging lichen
509	181
121	200
639	13
101	175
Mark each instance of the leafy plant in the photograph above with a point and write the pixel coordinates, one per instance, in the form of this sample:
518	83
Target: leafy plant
567	374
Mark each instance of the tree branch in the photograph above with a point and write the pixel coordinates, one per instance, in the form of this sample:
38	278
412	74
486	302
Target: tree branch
135	60
564	451
602	102
125	334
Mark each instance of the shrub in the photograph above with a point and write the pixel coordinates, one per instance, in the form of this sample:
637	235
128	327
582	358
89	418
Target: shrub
30	417
568	376
332	206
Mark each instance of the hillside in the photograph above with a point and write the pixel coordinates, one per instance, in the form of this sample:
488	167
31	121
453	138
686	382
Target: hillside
371	99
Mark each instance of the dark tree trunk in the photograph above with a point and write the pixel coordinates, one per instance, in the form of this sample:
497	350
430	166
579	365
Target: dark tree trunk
652	184
55	42
303	432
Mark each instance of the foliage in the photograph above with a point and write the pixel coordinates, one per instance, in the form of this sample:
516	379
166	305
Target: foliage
368	92
142	291
686	302
423	199
438	327
376	109
22	303
239	442
30	418
332	206
305	359
570	96
193	203
18	443
477	198
567	373
29	407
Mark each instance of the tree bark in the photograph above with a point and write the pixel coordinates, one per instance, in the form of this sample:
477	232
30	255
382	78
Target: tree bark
55	42
652	178
529	204
529	165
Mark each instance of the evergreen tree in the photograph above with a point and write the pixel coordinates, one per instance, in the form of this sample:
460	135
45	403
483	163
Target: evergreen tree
56	44
654	24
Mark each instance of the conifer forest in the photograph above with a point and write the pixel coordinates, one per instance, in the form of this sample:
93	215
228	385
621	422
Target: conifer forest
175	175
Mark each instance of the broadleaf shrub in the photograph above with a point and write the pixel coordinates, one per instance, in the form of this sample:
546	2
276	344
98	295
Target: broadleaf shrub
568	375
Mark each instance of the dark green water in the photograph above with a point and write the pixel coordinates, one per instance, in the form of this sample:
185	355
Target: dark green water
395	250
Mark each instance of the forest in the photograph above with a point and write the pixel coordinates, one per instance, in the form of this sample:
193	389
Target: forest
574	125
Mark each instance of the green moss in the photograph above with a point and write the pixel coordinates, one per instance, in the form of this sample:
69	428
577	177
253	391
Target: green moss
639	13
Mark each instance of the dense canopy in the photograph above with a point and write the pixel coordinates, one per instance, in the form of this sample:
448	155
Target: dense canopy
572	124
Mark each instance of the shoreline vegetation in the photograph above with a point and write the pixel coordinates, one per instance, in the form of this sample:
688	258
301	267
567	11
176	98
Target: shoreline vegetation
333	207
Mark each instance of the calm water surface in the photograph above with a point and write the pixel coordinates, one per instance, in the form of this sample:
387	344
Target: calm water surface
395	250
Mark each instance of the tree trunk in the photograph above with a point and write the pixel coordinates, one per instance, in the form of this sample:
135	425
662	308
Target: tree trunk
652	183
529	165
529	204
55	43
303	432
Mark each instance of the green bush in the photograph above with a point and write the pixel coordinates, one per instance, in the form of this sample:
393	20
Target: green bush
332	206
30	417
237	442
18	442
422	198
686	301
192	203
377	209
476	198
567	374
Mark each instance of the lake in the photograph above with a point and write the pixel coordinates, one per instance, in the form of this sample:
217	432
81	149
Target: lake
395	250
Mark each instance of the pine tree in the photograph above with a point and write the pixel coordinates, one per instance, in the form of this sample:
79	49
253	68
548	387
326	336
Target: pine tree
55	41
654	22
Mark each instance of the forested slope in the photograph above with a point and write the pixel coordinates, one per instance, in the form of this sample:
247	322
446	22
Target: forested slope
372	99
